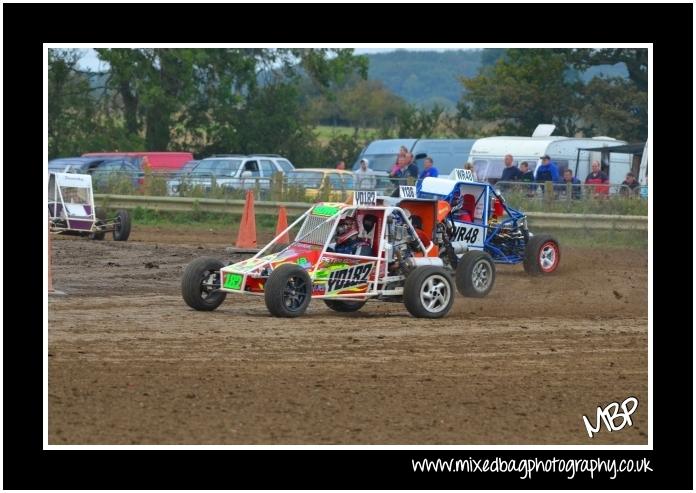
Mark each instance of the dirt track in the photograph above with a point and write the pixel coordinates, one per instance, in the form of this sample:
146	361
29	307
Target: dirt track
129	362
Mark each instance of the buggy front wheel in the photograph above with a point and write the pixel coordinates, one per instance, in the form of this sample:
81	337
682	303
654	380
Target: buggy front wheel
288	291
429	292
123	225
200	284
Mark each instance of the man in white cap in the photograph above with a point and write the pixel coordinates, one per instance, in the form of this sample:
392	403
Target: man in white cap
364	177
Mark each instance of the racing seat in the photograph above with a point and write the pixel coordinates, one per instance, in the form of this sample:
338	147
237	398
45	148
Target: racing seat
466	213
76	210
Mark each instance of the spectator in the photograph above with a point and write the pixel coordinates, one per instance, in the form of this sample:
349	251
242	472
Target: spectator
576	188
365	178
599	179
547	170
511	172
428	169
397	172
525	175
341	165
411	168
630	185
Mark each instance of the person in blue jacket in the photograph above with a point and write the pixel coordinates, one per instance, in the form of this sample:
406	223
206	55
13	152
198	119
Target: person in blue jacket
547	171
428	169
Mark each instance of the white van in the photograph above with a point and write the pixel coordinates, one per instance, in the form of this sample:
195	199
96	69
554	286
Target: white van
487	154
447	154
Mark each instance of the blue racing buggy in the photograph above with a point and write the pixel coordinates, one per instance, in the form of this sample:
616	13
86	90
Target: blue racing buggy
480	221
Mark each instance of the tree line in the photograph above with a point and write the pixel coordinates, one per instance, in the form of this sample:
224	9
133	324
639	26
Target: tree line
270	100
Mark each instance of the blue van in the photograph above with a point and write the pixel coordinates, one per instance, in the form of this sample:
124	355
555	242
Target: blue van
447	154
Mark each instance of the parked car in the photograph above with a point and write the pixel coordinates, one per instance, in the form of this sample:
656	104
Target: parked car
74	164
232	171
156	161
105	171
314	180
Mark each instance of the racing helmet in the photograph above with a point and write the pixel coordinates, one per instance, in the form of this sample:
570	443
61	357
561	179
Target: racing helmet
369	222
347	229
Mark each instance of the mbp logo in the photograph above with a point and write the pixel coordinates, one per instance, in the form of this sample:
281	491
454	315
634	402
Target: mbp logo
609	414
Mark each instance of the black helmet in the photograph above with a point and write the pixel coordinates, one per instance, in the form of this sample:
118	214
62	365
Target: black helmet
369	222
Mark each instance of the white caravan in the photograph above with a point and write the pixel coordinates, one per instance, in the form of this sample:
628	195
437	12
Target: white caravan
487	154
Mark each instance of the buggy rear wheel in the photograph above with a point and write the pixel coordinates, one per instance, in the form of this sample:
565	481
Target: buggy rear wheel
344	306
475	274
122	228
288	291
100	215
200	284
542	255
429	292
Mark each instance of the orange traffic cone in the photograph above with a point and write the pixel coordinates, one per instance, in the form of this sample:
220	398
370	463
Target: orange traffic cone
246	238
282	225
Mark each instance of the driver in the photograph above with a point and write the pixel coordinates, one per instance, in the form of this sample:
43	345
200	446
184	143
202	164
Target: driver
347	240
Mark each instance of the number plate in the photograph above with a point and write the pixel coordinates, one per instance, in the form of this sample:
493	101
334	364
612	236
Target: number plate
407	192
233	281
464	174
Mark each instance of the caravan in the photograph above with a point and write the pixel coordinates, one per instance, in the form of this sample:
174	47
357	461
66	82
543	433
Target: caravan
487	154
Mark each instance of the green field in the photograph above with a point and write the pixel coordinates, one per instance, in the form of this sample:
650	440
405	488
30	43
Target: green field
585	238
326	133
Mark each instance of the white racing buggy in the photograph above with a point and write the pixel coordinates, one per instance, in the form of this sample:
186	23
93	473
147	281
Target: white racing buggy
71	209
344	255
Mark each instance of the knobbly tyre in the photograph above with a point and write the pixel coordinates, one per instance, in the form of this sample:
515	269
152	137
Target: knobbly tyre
482	229
71	209
343	254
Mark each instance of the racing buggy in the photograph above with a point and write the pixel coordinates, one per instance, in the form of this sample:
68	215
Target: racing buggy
71	209
343	254
479	220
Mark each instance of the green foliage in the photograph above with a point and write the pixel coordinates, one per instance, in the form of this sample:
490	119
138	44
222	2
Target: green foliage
525	87
617	205
599	238
420	123
71	107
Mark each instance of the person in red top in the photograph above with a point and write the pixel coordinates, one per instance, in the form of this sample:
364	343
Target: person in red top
599	179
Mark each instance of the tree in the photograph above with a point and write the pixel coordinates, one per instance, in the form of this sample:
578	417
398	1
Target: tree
615	107
198	93
524	88
635	59
71	109
418	123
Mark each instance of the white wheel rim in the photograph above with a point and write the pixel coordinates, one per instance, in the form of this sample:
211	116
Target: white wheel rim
481	275
435	293
547	257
